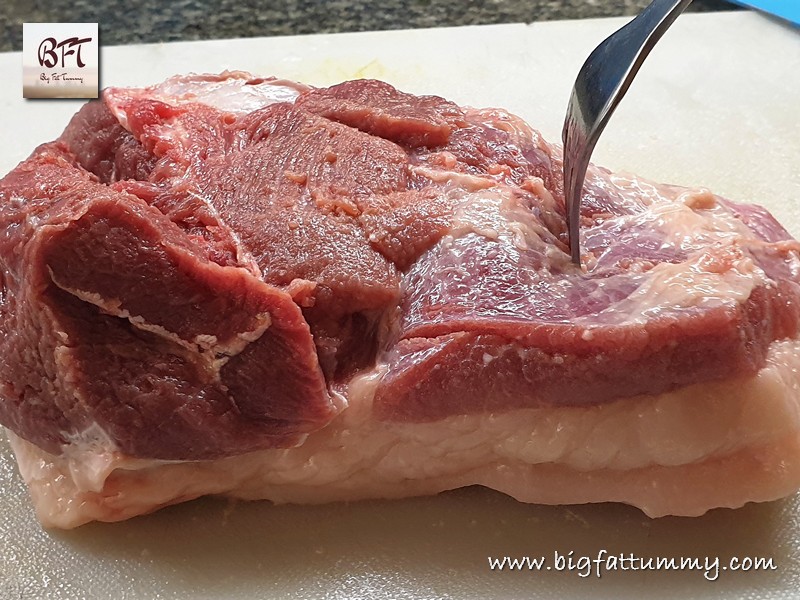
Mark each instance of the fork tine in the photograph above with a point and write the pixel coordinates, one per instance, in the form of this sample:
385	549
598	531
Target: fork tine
601	83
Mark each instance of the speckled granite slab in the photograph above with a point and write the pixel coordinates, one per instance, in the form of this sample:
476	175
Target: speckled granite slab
149	21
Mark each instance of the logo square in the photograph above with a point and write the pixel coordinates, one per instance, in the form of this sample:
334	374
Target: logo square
60	60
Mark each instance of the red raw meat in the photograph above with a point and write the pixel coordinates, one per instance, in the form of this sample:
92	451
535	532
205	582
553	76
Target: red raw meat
215	265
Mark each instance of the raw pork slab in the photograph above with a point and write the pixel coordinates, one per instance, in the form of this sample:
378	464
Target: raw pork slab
214	284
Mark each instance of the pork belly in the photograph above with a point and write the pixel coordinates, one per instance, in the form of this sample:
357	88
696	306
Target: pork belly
225	284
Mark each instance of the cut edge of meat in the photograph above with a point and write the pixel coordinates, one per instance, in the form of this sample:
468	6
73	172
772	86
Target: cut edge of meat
149	288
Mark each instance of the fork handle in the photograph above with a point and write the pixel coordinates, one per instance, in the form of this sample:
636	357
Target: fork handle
626	50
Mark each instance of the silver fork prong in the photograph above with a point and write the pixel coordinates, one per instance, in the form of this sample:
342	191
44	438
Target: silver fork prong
601	83
574	173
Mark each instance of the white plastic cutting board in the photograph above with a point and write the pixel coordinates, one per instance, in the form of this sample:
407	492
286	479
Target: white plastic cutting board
717	104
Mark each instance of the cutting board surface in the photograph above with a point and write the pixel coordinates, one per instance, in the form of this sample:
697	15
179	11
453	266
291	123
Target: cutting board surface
716	105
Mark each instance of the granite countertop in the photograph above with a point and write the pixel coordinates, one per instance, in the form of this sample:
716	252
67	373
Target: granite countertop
145	21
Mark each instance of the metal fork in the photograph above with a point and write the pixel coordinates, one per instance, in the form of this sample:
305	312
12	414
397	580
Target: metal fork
602	82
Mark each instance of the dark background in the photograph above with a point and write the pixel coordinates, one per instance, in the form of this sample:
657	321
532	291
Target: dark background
145	21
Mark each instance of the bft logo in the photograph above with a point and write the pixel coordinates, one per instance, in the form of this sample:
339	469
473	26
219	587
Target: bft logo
48	57
60	60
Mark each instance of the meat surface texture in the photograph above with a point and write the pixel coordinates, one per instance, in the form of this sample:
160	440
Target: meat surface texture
225	284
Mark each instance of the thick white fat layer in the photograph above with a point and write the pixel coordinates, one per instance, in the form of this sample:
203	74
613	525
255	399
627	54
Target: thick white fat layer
743	434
